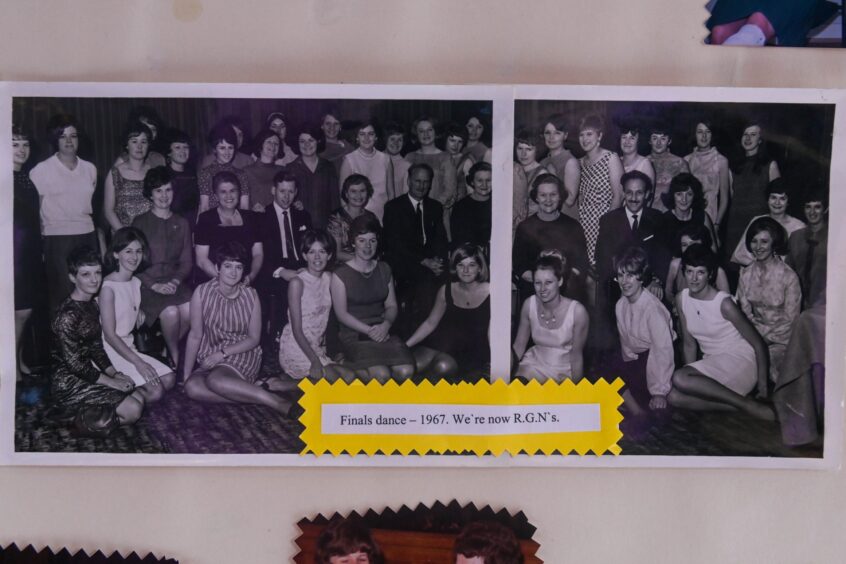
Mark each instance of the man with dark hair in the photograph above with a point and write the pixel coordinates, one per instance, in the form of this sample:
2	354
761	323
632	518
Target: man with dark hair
283	227
415	245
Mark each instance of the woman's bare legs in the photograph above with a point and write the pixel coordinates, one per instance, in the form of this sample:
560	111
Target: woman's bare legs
175	320
21	317
153	393
721	32
440	365
694	390
223	385
130	409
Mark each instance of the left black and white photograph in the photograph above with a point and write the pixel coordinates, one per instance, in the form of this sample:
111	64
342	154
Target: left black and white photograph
182	263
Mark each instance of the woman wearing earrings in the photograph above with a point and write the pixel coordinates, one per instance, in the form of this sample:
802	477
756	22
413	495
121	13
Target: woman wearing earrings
373	164
120	314
558	326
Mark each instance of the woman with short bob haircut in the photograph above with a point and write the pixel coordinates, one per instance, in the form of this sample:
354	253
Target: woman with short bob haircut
347	540
123	198
355	193
225	337
223	141
646	335
735	359
455	334
561	162
685	205
165	291
365	303
557	325
317	182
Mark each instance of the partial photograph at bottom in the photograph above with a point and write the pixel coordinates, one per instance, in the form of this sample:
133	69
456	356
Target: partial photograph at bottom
440	534
680	246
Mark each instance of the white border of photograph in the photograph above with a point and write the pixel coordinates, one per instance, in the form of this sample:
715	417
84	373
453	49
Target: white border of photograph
503	110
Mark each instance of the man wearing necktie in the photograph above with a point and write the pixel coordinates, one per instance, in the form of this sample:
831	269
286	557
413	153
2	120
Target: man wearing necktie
416	247
632	225
283	227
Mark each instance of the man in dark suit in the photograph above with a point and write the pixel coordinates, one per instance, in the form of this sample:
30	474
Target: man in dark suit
634	224
283	227
416	247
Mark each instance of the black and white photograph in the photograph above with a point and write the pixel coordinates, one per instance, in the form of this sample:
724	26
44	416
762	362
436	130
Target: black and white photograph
681	246
182	263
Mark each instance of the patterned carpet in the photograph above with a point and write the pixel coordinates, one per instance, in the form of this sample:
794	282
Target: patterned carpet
173	425
179	425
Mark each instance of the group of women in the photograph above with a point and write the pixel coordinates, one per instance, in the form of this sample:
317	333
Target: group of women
727	230
185	249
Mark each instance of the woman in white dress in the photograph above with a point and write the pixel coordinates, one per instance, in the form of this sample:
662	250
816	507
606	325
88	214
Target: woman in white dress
735	359
302	347
120	314
373	164
557	325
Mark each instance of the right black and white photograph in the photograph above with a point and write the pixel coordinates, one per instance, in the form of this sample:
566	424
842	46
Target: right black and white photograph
681	246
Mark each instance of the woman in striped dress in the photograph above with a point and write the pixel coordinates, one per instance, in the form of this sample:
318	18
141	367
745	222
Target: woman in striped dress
224	337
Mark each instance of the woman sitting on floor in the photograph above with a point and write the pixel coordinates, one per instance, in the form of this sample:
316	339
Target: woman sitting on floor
735	358
84	383
457	327
120	314
646	336
224	337
302	347
558	326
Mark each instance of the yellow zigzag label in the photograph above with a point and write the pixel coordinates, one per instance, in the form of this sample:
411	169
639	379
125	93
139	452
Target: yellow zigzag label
483	418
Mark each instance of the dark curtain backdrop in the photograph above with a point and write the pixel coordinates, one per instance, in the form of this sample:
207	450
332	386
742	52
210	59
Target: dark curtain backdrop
798	136
102	119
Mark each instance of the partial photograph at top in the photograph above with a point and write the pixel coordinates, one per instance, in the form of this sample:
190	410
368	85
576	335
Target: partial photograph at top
781	23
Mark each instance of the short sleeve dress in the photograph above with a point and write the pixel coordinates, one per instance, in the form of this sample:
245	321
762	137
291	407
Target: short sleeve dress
316	304
226	321
726	356
549	358
127	304
366	295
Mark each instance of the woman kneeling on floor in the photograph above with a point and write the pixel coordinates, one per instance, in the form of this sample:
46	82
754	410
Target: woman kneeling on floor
85	385
224	337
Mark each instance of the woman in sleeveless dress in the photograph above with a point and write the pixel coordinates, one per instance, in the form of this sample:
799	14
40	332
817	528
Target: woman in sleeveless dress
302	347
685	206
734	356
475	146
225	337
712	170
562	163
84	384
120	314
373	164
558	326
455	335
365	304
599	185
123	198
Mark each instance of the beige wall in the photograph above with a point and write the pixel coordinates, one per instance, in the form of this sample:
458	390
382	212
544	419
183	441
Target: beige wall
230	515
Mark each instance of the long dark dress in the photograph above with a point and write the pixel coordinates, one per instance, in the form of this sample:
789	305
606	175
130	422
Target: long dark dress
463	333
318	190
470	222
169	243
29	270
791	19
366	295
79	358
749	199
